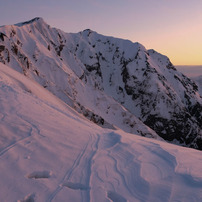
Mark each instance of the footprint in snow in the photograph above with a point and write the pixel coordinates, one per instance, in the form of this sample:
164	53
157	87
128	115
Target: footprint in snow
115	197
27	157
39	174
28	198
76	186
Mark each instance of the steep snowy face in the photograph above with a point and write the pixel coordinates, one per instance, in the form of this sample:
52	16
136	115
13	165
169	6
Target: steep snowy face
107	79
145	82
46	55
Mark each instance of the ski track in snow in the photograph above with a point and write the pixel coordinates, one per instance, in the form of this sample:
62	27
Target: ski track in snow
81	171
15	143
7	148
30	133
65	182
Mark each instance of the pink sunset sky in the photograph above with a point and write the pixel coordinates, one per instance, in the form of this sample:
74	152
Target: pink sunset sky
171	27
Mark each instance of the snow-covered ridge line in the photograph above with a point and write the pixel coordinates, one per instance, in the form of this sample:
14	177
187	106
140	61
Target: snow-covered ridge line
129	87
30	21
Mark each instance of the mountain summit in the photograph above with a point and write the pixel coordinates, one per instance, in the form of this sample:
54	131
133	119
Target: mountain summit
113	82
34	20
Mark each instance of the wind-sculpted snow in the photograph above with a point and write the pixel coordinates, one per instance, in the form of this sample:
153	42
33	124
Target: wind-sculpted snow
49	152
113	82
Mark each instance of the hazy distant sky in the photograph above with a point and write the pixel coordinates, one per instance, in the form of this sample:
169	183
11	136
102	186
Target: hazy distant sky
171	27
190	71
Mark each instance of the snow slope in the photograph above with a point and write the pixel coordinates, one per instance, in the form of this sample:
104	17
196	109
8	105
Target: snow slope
49	152
113	82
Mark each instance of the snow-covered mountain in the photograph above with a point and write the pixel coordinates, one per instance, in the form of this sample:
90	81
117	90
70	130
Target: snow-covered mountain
113	82
49	152
194	72
198	80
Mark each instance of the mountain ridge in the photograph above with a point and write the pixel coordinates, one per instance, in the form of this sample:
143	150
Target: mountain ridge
103	77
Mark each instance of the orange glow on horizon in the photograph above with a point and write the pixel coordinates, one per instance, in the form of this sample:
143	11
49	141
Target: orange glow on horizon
173	28
181	43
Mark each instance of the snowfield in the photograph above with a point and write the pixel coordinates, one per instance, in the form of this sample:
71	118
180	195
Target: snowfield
49	152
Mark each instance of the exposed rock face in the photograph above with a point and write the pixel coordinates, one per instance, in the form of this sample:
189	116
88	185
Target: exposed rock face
113	80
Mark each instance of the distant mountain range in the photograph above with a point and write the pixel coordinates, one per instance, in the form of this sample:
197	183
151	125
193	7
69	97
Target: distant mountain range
190	70
113	82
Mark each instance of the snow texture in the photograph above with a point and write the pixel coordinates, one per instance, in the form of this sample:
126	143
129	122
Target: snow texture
49	152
